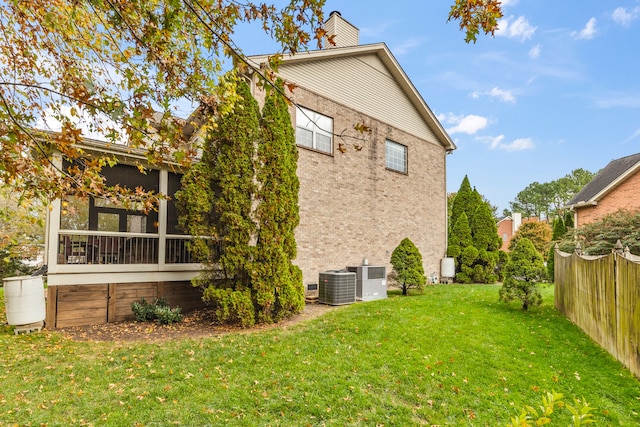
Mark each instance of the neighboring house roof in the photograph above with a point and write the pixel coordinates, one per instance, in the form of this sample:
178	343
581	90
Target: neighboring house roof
368	79
616	172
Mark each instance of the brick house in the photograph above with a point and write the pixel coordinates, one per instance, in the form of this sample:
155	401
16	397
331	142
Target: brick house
353	206
360	204
508	226
614	188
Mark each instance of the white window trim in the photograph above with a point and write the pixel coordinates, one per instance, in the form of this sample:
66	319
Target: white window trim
392	166
312	121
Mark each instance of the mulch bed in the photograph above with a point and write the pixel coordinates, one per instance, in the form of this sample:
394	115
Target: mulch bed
195	325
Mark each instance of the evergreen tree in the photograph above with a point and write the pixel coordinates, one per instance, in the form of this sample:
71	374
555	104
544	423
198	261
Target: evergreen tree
467	266
215	204
551	276
244	194
484	229
473	237
464	201
460	237
568	220
522	274
503	259
232	142
276	280
194	201
600	237
407	266
559	228
487	242
559	231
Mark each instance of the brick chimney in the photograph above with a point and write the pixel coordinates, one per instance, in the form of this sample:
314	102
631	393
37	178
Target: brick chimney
345	34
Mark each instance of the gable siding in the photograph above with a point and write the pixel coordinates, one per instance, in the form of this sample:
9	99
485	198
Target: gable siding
625	196
362	83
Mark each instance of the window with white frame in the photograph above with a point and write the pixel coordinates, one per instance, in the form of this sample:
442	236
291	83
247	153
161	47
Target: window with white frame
314	130
396	156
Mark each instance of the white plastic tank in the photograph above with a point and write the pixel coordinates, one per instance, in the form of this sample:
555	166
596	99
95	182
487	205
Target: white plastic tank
448	267
24	299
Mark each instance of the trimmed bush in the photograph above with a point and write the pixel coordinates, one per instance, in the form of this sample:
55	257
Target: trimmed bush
159	311
231	307
408	271
522	274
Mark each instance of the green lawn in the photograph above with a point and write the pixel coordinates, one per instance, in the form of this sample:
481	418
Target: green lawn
453	356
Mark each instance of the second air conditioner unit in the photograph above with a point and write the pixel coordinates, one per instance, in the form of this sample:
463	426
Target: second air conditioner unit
371	282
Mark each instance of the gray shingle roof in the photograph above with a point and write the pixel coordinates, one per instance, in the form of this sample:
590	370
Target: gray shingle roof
605	177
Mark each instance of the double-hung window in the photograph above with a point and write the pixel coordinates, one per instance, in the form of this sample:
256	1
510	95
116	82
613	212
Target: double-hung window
396	156
314	130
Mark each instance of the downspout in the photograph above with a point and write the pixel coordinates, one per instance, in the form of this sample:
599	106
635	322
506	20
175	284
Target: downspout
446	208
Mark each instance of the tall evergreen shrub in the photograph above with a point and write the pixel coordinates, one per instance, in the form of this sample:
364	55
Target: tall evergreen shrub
277	282
244	194
216	202
473	237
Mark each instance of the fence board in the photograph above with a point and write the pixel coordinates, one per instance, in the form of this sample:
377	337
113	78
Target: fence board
627	305
601	296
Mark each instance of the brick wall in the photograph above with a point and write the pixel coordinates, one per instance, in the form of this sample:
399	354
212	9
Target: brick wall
352	208
505	227
626	196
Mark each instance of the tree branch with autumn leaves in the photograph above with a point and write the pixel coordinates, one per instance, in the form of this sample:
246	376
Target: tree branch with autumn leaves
117	69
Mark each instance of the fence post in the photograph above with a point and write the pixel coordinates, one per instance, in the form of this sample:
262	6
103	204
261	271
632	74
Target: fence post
617	248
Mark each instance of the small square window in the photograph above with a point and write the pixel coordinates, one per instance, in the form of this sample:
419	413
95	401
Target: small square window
396	156
314	130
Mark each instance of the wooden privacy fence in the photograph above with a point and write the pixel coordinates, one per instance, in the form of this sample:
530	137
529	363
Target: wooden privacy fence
601	295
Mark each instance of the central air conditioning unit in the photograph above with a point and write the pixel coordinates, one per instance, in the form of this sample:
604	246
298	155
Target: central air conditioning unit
371	282
337	287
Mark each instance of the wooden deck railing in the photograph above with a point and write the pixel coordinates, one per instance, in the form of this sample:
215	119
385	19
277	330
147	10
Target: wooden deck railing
80	247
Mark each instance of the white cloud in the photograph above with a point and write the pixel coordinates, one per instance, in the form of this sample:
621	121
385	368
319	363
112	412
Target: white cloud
624	17
519	28
406	46
497	143
618	100
519	144
501	94
535	51
588	32
633	136
470	124
494	141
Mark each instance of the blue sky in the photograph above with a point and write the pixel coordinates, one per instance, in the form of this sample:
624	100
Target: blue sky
557	89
